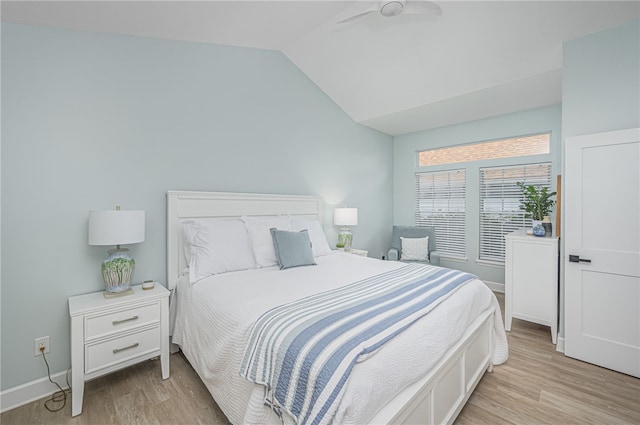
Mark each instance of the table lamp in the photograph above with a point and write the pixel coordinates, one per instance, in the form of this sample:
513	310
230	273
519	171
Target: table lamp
117	227
345	217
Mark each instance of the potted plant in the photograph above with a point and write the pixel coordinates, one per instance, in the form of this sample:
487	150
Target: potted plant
537	202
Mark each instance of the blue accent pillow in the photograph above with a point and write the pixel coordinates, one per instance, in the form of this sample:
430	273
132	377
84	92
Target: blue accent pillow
293	249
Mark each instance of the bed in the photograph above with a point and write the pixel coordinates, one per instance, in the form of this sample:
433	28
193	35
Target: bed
425	374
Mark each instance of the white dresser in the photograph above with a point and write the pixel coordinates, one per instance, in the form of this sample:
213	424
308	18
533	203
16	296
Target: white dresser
110	334
531	280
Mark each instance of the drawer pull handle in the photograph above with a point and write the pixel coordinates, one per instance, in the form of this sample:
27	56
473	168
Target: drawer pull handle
117	350
117	322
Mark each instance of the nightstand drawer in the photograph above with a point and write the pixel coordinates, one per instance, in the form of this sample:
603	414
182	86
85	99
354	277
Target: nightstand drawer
118	350
103	325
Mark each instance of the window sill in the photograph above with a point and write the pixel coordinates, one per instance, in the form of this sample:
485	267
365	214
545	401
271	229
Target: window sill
489	263
454	259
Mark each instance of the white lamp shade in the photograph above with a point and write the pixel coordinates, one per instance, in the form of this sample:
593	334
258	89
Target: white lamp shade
345	216
116	227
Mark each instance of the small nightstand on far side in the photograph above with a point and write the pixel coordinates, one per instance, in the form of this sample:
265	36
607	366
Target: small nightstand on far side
360	252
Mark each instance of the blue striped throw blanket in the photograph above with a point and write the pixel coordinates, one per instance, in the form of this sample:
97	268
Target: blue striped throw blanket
304	351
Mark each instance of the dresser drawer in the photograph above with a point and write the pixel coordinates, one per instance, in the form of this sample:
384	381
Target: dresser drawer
103	325
104	354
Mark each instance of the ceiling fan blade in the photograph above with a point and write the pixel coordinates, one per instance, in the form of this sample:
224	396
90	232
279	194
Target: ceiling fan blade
356	17
419	7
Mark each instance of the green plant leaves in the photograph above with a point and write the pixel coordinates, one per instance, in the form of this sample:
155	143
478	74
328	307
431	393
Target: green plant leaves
537	201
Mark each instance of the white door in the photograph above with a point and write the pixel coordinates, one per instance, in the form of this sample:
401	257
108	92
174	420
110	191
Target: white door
602	225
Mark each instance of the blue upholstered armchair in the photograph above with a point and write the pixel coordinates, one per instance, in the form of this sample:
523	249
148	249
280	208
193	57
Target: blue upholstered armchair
395	253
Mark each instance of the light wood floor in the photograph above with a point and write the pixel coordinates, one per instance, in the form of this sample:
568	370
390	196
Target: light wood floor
537	385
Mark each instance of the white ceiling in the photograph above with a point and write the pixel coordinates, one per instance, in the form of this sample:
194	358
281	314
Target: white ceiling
397	75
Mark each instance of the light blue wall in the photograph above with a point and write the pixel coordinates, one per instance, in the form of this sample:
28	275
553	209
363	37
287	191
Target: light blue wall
405	166
601	81
93	120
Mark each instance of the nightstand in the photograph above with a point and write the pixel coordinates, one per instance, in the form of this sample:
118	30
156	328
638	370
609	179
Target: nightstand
360	252
110	334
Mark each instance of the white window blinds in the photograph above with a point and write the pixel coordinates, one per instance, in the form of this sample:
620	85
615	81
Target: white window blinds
500	199
441	203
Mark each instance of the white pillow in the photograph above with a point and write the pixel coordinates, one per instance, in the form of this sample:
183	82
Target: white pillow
216	246
319	243
414	249
258	228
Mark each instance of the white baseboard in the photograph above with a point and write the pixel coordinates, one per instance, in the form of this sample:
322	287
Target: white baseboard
494	286
560	345
31	391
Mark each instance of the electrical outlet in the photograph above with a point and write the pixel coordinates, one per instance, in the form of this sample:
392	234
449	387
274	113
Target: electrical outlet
42	342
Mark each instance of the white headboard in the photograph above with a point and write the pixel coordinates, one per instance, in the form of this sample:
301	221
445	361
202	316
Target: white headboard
185	204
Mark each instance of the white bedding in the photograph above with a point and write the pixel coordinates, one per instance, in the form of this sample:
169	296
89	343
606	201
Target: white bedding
215	315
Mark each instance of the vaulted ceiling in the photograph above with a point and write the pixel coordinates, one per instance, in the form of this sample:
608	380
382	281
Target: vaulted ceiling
397	75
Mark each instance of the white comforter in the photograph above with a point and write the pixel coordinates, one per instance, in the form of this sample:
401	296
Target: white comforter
214	319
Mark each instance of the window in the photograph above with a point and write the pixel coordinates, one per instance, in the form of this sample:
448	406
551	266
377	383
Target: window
500	197
503	148
441	203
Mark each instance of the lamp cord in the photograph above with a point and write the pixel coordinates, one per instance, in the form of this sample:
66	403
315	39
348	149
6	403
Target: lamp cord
59	396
